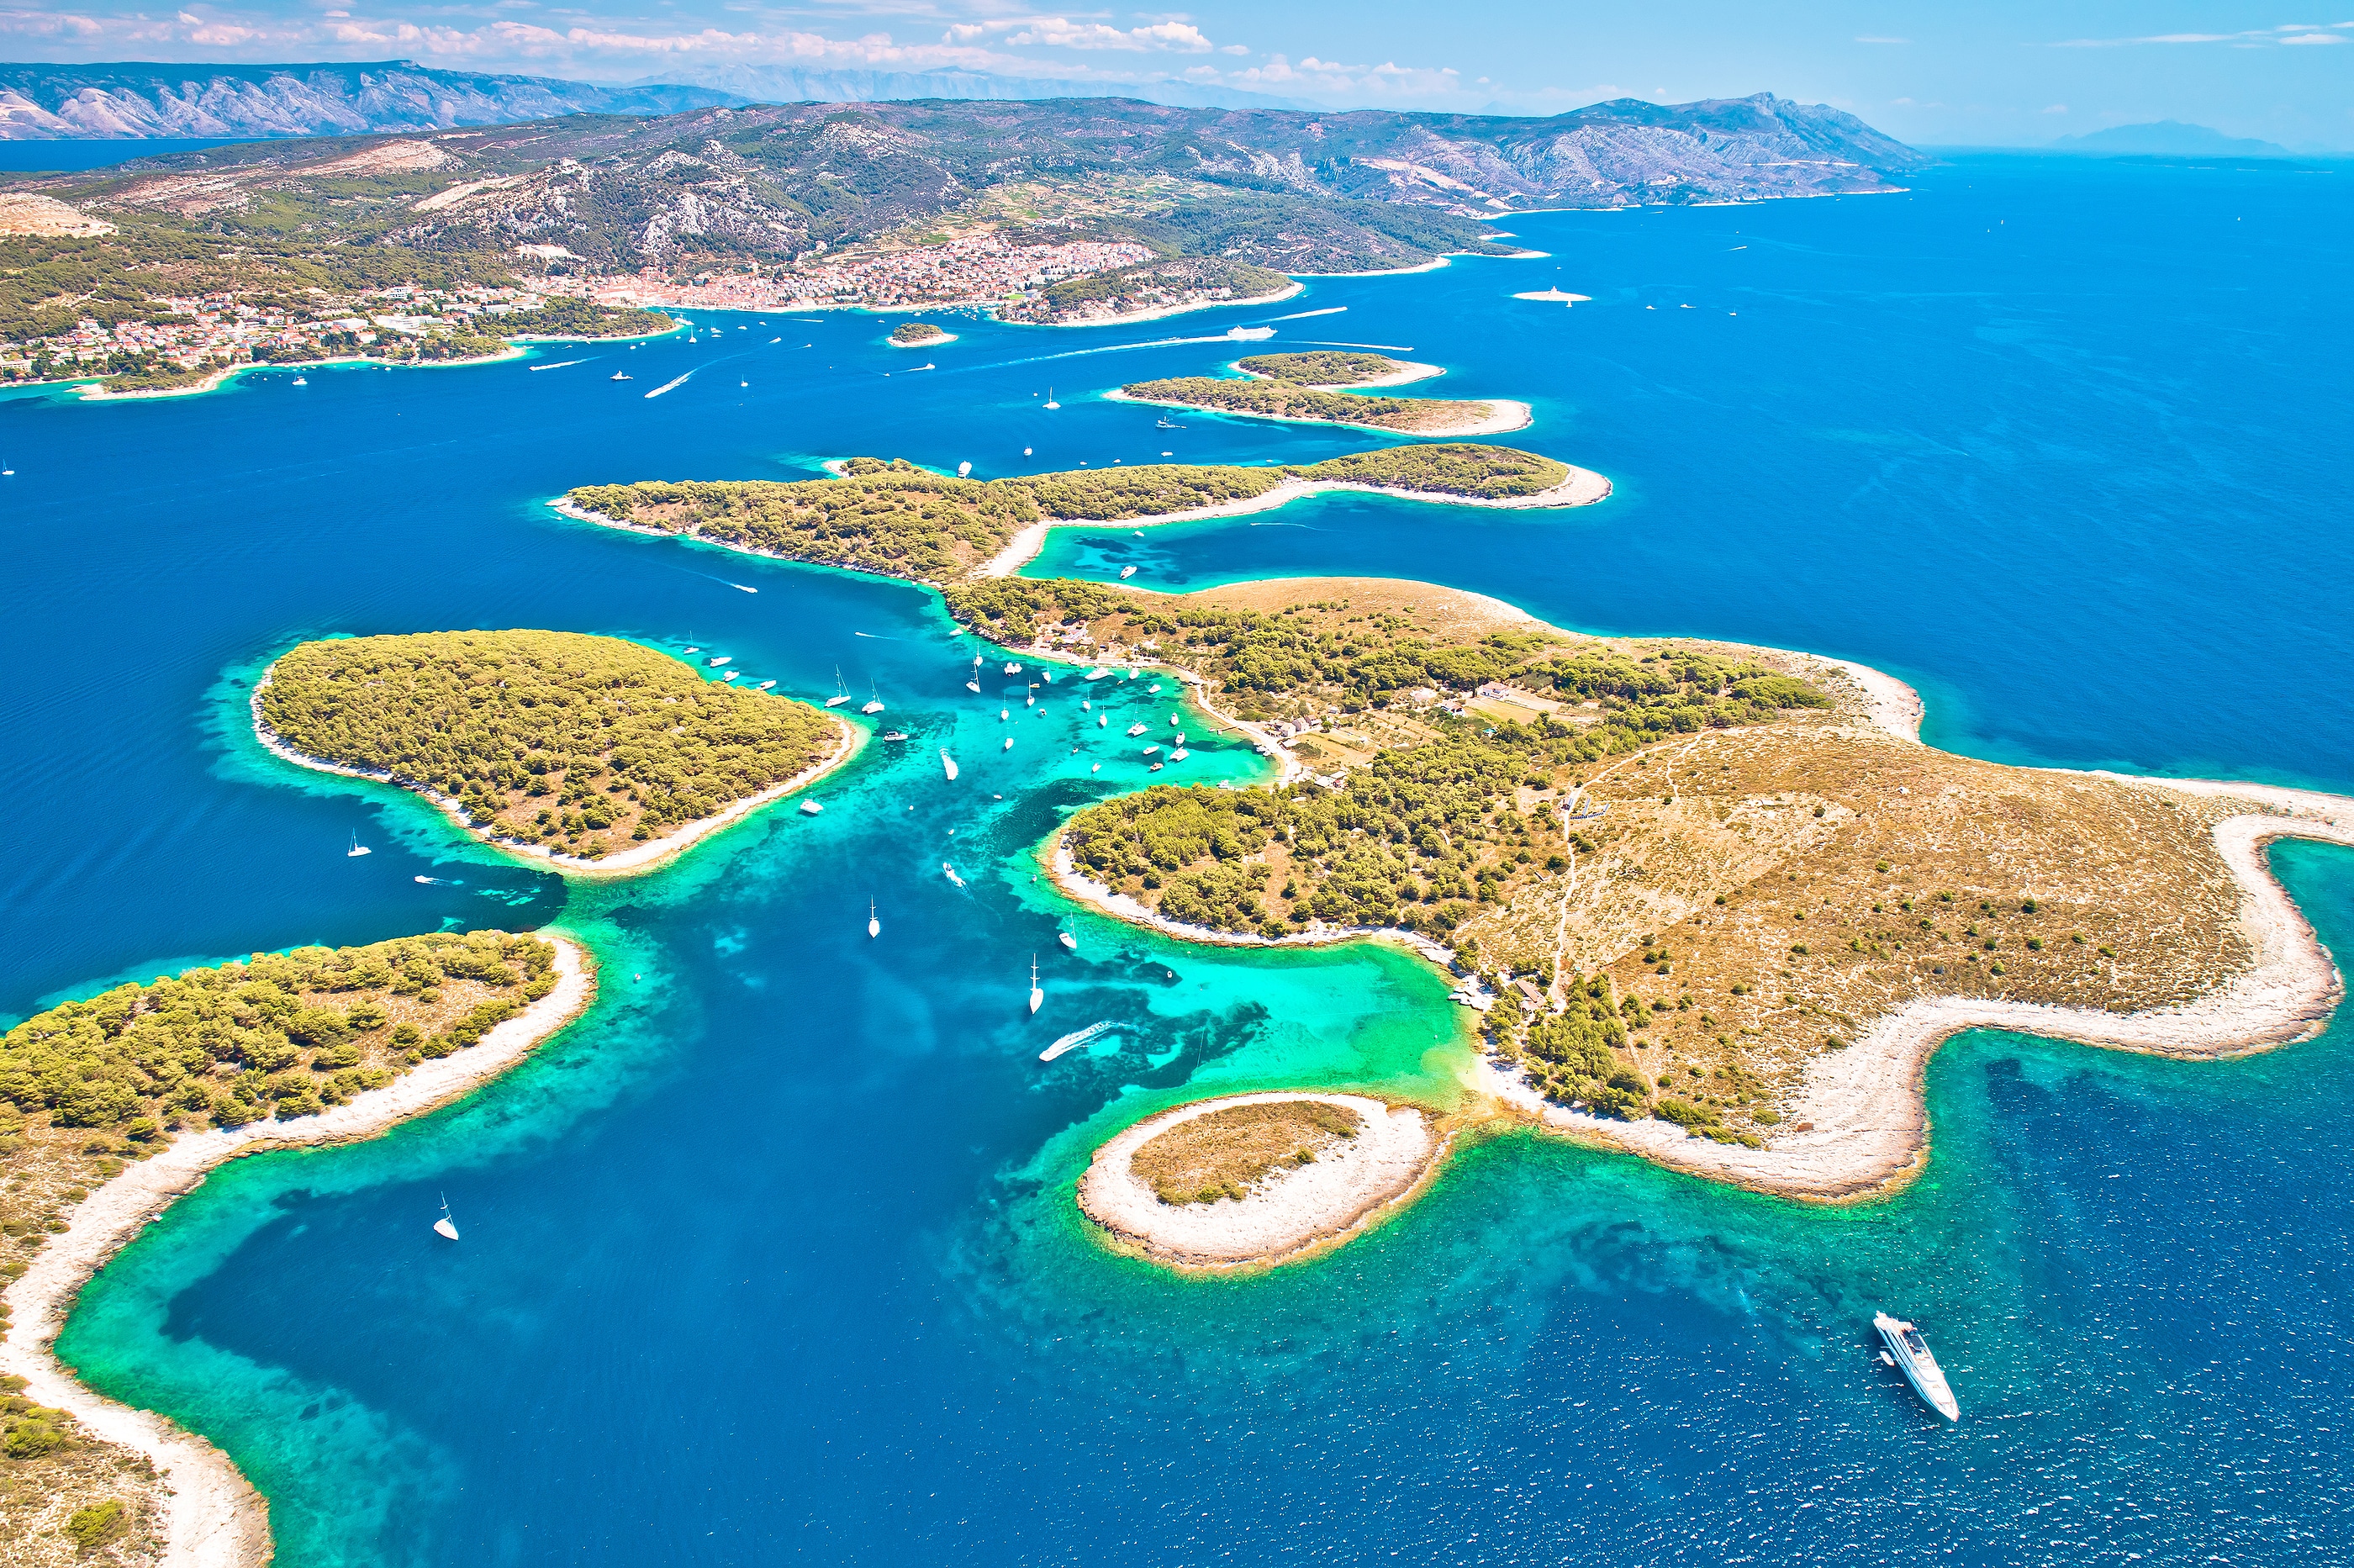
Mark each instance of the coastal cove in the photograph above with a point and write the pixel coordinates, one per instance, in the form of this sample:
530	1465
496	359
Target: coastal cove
652	1190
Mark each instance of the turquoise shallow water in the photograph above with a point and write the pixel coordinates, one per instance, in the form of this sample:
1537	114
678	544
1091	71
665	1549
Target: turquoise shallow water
771	1257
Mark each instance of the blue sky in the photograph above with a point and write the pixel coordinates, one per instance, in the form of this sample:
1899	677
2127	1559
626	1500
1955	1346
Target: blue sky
1994	72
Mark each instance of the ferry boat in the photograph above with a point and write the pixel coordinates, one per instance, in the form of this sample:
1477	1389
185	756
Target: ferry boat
1908	1352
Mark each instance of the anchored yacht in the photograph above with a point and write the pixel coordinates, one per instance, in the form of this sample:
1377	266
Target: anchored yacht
1908	1352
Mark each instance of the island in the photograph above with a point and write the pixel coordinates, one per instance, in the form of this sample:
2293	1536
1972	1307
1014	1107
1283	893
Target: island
920	334
114	1106
1251	1179
894	519
594	755
1327	387
1715	904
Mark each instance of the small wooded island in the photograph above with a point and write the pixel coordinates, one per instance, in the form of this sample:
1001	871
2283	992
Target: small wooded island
1328	387
917	335
593	752
897	520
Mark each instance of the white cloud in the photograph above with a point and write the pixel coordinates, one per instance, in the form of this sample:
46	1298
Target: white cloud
2056	109
2286	33
1061	33
1868	38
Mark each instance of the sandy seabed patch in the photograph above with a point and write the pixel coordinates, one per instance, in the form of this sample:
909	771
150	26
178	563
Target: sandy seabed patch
1291	1213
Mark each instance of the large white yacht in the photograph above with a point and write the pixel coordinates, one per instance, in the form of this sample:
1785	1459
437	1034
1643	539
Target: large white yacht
1909	1354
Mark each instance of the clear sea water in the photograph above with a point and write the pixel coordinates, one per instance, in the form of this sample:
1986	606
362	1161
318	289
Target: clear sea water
772	1258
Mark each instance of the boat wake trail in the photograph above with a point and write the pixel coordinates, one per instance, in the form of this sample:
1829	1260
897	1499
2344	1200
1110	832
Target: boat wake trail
1303	315
560	364
667	386
1072	1042
1393	347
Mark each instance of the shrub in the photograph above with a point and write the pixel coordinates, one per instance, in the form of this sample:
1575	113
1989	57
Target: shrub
92	1527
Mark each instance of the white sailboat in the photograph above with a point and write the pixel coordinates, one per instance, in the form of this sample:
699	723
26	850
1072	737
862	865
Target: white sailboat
874	704
1037	996
1011	668
357	848
299	381
1102	719
949	764
973	687
873	926
445	1227
842	690
1050	404
1009	744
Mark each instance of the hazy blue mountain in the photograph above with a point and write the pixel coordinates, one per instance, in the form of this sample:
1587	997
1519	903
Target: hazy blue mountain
790	84
140	100
2171	138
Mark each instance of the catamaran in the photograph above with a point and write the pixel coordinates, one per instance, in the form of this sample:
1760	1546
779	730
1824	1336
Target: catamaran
874	704
873	926
1135	729
357	848
1037	996
446	1226
810	808
1909	1354
1011	668
842	690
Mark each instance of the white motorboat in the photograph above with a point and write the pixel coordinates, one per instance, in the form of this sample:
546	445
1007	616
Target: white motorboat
1009	744
964	471
299	381
1073	1041
1070	943
765	685
1127	572
950	871
1179	755
1097	674
1908	1352
949	763
810	808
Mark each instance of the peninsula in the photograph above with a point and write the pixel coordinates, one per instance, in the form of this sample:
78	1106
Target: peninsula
1329	388
111	1108
591	754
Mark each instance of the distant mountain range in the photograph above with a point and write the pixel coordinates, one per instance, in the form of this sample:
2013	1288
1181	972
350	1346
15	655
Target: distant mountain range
2171	138
136	102
789	84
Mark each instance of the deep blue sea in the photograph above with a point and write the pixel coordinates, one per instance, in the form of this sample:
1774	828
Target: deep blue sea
772	1257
